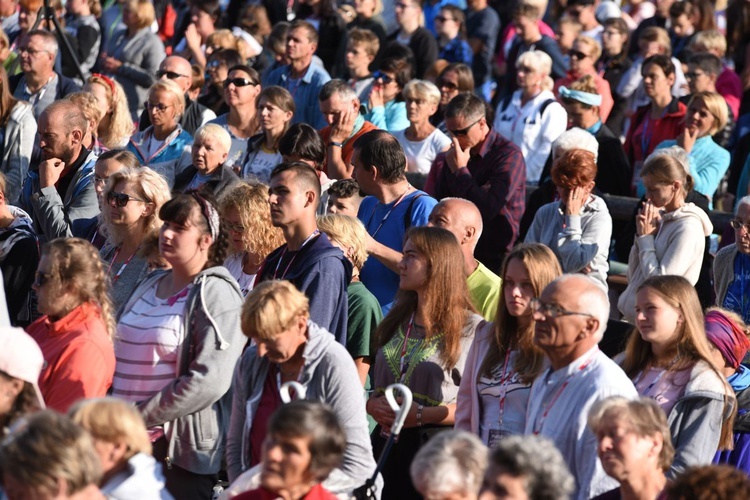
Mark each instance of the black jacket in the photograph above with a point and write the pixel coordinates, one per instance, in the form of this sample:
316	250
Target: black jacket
425	49
223	178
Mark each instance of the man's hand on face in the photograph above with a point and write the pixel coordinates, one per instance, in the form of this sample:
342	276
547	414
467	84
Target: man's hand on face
50	171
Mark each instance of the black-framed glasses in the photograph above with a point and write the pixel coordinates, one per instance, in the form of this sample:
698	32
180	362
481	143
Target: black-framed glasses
553	310
231	226
577	55
170	75
465	130
382	76
738	224
442	84
157	106
41	278
238	82
121	199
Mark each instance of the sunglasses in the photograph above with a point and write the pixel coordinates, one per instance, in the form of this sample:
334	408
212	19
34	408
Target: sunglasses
238	82
170	75
463	131
121	199
577	55
158	106
442	84
383	77
443	19
231	226
41	278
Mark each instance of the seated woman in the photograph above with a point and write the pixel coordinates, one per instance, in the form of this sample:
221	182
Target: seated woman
503	361
17	132
670	361
275	111
315	426
578	228
450	25
730	264
244	209
386	108
77	325
217	70
132	199
209	169
531	117
289	347
123	446
421	141
456	78
115	124
178	372
670	233
706	114
164	146
435	325
634	446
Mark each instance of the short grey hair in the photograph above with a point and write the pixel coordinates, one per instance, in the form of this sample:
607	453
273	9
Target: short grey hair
451	462
675	152
49	40
337	86
745	200
215	131
593	300
422	89
575	138
538	462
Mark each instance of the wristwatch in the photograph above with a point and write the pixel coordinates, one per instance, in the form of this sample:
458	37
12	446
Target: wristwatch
336	144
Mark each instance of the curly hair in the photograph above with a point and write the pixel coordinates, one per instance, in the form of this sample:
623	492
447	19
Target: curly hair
710	482
250	199
120	122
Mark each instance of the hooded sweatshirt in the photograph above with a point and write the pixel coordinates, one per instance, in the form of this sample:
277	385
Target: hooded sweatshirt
320	271
19	256
142	479
676	248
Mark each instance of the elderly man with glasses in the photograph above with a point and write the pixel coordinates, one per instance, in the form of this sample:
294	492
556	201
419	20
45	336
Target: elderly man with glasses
570	318
732	265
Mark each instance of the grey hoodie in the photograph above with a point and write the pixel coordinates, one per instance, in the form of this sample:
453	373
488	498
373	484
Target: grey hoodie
141	480
330	376
194	407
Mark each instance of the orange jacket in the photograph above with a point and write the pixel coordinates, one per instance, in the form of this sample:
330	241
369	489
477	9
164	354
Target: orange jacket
348	149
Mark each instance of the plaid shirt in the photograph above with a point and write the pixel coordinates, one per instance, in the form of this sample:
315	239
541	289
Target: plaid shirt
495	180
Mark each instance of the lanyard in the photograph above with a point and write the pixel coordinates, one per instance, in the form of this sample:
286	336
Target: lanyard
504	388
388	214
657	379
124	265
283	252
540	422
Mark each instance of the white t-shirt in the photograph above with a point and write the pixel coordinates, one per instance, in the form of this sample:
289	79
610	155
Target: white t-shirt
420	154
233	263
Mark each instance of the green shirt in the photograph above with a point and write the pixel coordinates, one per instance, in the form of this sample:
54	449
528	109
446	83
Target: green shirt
364	316
484	287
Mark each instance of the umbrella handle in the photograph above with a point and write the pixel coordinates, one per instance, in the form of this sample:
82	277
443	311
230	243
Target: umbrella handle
299	389
401	411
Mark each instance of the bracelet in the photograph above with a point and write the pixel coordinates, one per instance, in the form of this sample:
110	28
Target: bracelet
419	415
336	144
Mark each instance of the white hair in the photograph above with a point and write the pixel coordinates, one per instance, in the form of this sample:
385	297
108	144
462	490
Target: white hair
593	300
675	152
745	200
575	138
537	60
451	462
215	131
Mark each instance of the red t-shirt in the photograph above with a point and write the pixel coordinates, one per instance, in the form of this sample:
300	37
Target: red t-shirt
270	400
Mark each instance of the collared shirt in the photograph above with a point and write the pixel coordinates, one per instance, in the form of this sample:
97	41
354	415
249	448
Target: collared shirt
457	51
41	98
304	90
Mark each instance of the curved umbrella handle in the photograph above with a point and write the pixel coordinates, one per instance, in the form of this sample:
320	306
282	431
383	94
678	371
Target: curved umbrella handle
299	389
401	411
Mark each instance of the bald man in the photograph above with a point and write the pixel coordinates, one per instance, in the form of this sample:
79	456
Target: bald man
463	219
178	70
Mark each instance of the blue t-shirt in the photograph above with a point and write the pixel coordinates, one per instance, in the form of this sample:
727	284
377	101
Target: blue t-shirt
387	225
738	292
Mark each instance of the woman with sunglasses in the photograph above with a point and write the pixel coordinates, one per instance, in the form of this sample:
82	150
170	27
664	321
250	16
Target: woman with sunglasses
503	361
115	124
583	57
132	198
423	343
77	323
451	31
164	145
241	90
669	360
178	372
275	111
386	107
455	79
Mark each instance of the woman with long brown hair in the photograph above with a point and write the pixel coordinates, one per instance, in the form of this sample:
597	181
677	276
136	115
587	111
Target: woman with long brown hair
423	343
669	360
17	132
503	361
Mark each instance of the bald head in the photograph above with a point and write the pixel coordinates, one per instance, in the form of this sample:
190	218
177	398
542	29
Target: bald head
178	70
460	217
588	297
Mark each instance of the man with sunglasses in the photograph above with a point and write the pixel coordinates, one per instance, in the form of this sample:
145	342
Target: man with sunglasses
485	168
178	70
570	317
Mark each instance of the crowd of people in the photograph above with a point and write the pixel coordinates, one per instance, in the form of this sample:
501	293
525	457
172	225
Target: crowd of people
534	214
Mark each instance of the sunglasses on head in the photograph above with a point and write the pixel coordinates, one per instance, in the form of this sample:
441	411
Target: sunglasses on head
238	82
382	76
463	131
577	55
169	74
121	199
41	278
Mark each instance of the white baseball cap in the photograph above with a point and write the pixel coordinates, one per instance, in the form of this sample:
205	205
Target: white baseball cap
21	357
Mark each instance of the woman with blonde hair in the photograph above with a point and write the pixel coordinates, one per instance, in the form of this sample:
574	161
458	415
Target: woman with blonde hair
244	209
503	361
123	446
423	343
115	123
77	325
670	234
89	106
131	201
706	115
421	140
669	360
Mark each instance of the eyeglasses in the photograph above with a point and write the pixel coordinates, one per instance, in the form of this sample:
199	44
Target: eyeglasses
99	181
442	84
737	224
382	76
41	278
158	106
31	52
443	19
577	55
231	226
464	131
238	82
553	311
170	75
611	32
121	199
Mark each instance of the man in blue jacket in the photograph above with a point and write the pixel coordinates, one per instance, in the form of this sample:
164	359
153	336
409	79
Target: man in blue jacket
307	259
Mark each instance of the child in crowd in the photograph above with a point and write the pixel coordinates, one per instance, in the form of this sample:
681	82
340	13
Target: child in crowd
361	49
344	198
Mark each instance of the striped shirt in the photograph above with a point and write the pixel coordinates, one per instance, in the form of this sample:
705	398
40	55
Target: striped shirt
147	343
